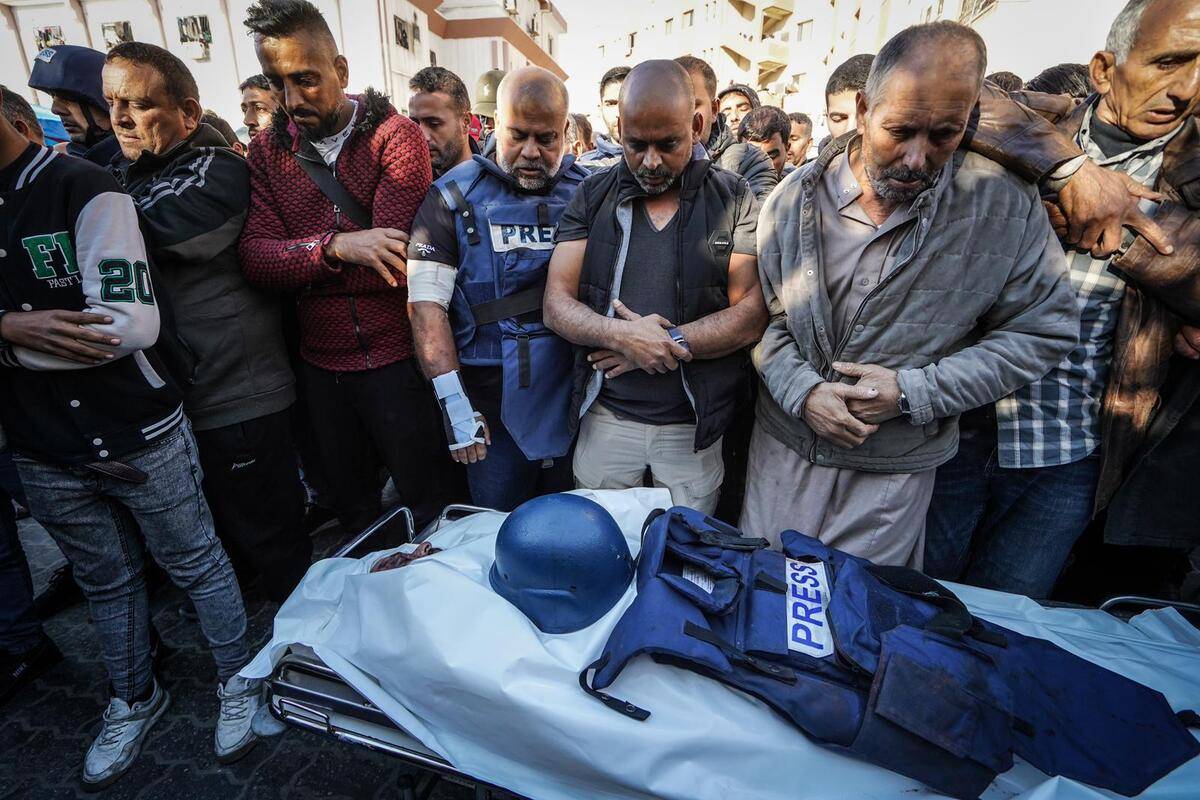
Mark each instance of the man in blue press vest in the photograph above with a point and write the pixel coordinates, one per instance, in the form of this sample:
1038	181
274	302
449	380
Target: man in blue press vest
481	243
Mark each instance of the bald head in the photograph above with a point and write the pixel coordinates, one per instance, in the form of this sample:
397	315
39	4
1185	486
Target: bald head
531	90
659	123
531	127
659	86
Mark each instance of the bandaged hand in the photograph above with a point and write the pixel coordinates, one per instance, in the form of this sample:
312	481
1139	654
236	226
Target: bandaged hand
466	429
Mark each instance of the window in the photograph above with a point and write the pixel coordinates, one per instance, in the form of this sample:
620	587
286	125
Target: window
688	19
632	42
799	81
601	52
804	31
432	59
668	26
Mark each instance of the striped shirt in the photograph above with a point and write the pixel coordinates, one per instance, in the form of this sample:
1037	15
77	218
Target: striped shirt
1056	420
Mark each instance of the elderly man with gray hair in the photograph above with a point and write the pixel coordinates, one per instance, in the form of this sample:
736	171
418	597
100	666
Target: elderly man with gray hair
1117	419
907	282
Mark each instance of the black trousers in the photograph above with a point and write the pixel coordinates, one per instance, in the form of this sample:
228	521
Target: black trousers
253	488
384	417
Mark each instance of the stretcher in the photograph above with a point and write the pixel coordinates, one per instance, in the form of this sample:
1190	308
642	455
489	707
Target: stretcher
304	692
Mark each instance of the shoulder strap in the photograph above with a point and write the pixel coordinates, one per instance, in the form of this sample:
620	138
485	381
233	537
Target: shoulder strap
320	174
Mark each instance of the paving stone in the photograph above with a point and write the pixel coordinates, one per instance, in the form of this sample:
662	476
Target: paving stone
45	731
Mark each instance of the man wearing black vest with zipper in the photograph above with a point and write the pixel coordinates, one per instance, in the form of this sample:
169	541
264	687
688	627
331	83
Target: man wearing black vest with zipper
655	279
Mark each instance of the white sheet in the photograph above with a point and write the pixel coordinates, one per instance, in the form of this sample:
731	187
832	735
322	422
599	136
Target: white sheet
468	675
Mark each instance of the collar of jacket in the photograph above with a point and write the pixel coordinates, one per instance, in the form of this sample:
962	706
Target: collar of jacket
719	138
488	164
926	202
149	163
690	181
373	108
1181	158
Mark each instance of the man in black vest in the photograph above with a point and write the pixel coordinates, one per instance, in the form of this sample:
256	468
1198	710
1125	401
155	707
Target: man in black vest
655	279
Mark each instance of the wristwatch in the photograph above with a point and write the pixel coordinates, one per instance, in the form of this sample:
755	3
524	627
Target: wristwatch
679	338
903	404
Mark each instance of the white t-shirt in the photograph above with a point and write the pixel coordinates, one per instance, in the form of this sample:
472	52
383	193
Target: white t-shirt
330	146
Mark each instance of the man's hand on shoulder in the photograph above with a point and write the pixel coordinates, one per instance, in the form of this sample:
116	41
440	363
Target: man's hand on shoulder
384	250
59	333
1096	204
645	341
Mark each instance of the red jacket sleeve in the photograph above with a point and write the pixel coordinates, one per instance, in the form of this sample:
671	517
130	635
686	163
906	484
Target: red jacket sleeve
269	258
407	175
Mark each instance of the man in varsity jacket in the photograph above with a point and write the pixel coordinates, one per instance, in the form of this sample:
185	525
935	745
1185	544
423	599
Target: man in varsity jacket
99	437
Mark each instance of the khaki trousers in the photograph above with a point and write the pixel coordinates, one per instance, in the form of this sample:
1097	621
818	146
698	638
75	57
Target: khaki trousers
613	453
876	515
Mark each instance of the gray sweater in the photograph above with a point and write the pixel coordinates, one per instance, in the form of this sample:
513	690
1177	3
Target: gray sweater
979	302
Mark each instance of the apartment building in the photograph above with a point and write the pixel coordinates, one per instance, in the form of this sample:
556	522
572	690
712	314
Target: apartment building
385	41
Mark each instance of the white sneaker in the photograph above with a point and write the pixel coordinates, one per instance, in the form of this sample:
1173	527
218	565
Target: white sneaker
235	736
120	740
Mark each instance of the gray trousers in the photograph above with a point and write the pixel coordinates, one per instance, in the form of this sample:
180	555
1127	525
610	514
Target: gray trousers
878	516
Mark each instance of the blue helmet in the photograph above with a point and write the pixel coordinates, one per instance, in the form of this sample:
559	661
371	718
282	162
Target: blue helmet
562	560
70	70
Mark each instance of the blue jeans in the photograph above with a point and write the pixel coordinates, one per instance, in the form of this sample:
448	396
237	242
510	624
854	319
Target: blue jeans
506	478
95	519
1006	529
19	626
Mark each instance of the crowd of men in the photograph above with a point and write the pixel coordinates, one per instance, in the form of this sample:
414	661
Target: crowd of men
947	337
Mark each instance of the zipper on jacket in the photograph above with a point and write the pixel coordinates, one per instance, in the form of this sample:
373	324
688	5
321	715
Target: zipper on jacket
687	390
358	334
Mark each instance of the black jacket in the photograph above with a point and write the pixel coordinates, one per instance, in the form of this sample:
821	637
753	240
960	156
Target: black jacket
711	200
193	201
70	240
744	159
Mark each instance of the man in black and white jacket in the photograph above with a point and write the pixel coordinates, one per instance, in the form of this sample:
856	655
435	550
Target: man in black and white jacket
192	193
99	437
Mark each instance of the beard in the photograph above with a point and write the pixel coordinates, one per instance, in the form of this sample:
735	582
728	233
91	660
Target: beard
446	157
878	178
530	184
326	126
666	178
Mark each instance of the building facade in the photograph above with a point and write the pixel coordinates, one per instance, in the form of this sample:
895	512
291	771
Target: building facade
385	41
787	48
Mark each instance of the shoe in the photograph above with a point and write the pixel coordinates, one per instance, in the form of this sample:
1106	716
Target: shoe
240	700
120	740
60	593
19	669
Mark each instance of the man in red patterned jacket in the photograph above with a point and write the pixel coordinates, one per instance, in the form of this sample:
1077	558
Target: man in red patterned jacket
368	399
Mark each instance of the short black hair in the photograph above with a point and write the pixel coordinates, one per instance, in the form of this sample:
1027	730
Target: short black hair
1008	81
214	119
177	78
14	107
695	65
851	74
614	75
440	79
279	18
763	122
801	119
1069	79
744	91
259	81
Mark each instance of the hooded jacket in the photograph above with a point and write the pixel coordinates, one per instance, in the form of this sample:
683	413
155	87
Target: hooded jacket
192	201
606	153
350	318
